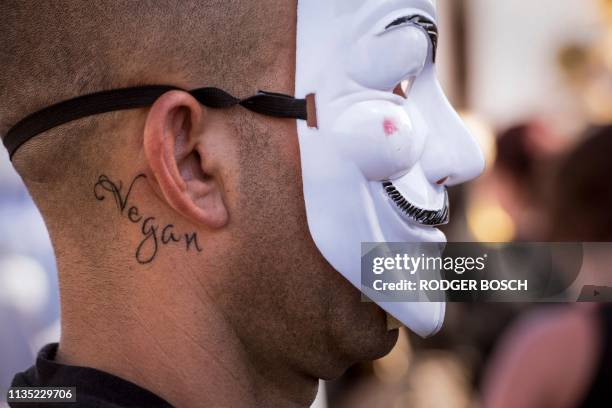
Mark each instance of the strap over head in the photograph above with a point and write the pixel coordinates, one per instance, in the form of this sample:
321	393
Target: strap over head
265	103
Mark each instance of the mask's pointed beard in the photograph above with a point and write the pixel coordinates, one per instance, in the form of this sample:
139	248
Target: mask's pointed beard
416	214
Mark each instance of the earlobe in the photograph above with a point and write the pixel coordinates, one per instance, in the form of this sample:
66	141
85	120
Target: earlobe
173	133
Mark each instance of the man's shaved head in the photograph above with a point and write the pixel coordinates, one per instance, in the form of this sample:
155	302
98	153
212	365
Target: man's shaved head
56	50
52	51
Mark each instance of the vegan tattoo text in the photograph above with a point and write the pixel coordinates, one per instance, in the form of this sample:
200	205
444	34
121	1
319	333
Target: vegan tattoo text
153	233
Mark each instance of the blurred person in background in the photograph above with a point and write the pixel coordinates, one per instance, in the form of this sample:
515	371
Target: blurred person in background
561	356
525	158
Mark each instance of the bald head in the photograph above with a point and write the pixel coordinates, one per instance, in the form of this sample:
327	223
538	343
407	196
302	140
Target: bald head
56	50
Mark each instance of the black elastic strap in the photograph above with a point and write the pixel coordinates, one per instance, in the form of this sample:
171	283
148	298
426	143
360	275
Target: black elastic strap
266	103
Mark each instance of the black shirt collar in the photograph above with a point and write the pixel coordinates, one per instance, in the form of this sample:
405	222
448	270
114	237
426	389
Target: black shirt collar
94	388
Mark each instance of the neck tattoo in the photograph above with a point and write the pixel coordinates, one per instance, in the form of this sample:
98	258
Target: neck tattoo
153	233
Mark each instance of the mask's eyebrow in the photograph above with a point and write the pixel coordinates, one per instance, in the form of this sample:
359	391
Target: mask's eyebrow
430	28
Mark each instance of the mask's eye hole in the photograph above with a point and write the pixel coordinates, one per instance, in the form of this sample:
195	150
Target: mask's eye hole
403	88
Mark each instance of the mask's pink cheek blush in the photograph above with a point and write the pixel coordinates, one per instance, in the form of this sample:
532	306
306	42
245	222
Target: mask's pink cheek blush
389	127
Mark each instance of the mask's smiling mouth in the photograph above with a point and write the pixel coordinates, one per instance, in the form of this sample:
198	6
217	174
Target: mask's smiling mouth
421	216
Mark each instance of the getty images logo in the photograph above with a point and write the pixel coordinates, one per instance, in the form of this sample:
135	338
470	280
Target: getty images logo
413	264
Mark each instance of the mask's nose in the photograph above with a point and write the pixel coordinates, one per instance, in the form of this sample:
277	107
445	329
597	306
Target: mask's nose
451	155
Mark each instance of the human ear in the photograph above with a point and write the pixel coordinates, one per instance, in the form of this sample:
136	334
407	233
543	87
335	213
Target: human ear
174	129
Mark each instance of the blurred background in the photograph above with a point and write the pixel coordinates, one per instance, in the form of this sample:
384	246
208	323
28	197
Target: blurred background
533	81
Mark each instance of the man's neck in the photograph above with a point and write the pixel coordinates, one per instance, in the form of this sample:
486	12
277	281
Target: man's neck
183	351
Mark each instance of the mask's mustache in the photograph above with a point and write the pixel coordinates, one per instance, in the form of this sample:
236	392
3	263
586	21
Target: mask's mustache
419	215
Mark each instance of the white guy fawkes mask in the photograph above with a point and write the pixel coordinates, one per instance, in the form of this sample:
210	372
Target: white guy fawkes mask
376	165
